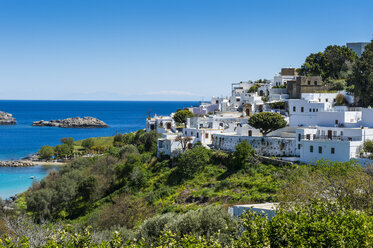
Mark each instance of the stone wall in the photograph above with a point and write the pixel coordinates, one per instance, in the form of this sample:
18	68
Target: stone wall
265	146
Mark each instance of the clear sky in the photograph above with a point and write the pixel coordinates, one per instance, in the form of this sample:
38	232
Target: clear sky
163	49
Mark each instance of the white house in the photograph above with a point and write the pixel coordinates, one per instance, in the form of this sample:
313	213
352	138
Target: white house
169	146
304	112
161	124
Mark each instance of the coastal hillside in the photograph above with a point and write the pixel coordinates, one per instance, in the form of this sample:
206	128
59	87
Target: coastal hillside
126	197
128	184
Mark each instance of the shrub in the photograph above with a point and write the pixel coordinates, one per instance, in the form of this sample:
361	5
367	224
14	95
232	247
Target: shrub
243	156
88	143
340	99
192	161
182	115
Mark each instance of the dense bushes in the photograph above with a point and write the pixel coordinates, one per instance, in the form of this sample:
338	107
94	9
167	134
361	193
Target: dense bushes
202	222
191	162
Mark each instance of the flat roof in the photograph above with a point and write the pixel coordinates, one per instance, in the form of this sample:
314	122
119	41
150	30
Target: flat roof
266	206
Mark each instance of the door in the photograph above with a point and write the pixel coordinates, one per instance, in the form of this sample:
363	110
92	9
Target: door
330	134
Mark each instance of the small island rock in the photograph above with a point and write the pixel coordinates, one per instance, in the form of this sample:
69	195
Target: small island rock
7	119
77	122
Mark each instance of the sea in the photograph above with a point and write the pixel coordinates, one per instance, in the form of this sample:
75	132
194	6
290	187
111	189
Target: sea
21	140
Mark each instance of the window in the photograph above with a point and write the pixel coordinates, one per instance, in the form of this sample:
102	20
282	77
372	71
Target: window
309	82
315	82
197	135
310	110
326	100
341	133
250	133
320	149
313	110
186	133
308	136
299	137
336	122
206	135
299	146
191	133
332	150
237	99
311	148
301	109
294	109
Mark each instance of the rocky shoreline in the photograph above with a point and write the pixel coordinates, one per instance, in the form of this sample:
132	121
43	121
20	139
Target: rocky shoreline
7	119
77	122
16	163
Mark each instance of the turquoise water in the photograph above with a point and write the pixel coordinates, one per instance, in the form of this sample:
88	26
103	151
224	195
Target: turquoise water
21	140
16	180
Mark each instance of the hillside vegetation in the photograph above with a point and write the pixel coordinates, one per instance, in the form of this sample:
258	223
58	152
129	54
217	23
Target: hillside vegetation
129	184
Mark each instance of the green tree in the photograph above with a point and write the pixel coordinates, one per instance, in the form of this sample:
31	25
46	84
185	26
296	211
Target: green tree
314	65
68	141
243	156
192	161
362	77
88	143
368	146
336	59
267	122
63	151
87	187
46	152
334	63
182	115
149	140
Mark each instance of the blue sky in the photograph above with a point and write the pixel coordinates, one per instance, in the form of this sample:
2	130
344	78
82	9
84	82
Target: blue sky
162	49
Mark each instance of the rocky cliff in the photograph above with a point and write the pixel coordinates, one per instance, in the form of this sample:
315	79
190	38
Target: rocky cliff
7	119
77	122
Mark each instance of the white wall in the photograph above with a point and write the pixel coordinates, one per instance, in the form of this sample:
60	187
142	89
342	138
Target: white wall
343	150
304	113
367	117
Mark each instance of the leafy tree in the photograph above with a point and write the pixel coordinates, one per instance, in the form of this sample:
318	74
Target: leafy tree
254	88
68	141
182	115
336	59
149	140
333	63
88	143
314	65
46	152
362	77
192	161
267	122
243	156
368	146
63	151
87	187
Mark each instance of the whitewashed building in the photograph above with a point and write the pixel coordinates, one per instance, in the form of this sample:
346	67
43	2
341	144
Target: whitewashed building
161	124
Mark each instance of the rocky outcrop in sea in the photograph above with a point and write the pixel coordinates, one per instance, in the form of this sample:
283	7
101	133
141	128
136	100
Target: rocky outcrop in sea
7	119
77	122
16	163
